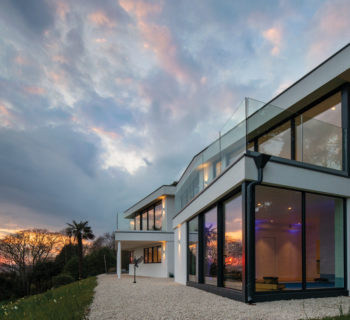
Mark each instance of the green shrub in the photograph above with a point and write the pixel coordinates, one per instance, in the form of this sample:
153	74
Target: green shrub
61	280
95	261
72	267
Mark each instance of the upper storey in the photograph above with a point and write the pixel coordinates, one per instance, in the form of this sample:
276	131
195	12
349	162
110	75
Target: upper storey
307	125
154	212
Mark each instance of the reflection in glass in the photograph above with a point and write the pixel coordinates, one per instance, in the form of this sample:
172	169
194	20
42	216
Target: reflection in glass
216	169
145	254
151	219
155	253
137	222
144	220
319	134
158	217
250	146
159	254
233	243
193	250
210	242
324	242
150	255
278	252
277	142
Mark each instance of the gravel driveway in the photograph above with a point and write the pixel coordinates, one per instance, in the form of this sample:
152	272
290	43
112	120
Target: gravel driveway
152	298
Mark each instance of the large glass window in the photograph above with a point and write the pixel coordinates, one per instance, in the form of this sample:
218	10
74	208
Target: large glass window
324	242
193	249
152	255
319	134
151	219
278	239
233	243
138	222
158	217
144	220
210	242
277	142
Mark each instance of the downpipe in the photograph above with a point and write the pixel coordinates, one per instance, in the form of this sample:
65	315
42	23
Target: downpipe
260	162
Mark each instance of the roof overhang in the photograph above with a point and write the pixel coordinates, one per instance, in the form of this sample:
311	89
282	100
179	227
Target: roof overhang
143	236
153	197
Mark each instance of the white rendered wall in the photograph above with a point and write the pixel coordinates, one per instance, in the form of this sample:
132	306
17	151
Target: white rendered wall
180	257
169	252
169	212
156	270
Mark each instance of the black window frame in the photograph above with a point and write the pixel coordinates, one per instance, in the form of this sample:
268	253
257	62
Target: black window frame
153	206
153	249
248	253
219	287
304	292
344	91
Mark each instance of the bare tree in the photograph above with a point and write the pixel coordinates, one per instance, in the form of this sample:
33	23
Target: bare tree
26	248
105	241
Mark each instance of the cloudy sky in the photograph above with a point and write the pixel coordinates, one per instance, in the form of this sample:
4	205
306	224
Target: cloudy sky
103	101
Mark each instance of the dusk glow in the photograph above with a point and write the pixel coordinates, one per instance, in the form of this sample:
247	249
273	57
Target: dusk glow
103	102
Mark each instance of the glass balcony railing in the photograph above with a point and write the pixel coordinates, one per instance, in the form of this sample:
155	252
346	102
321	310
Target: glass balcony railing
214	159
317	142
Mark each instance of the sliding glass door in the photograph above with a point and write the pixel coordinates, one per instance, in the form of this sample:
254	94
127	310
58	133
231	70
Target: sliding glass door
278	238
324	242
281	218
233	246
210	247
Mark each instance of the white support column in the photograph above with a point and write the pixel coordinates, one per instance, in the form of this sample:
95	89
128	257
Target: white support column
119	260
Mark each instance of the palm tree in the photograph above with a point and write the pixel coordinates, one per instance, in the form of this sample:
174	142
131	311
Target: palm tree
80	231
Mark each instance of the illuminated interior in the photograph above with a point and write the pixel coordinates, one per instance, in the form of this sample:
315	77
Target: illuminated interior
278	240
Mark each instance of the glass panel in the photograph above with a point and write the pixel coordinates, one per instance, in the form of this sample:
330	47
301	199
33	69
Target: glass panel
159	254
250	146
150	256
151	219
216	169
233	243
137	222
158	217
193	249
210	242
319	134
145	254
277	142
155	259
144	220
324	242
278	239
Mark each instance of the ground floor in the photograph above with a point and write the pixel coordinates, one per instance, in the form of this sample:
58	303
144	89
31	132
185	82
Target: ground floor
282	238
156	298
155	256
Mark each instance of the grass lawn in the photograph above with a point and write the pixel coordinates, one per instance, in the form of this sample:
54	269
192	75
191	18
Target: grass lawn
67	302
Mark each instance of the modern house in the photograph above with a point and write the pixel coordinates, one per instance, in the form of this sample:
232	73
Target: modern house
150	234
262	213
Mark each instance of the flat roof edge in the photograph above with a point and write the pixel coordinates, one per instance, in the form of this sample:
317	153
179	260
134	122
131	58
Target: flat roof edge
164	190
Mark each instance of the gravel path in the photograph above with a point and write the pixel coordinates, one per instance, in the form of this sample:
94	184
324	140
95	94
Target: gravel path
152	298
